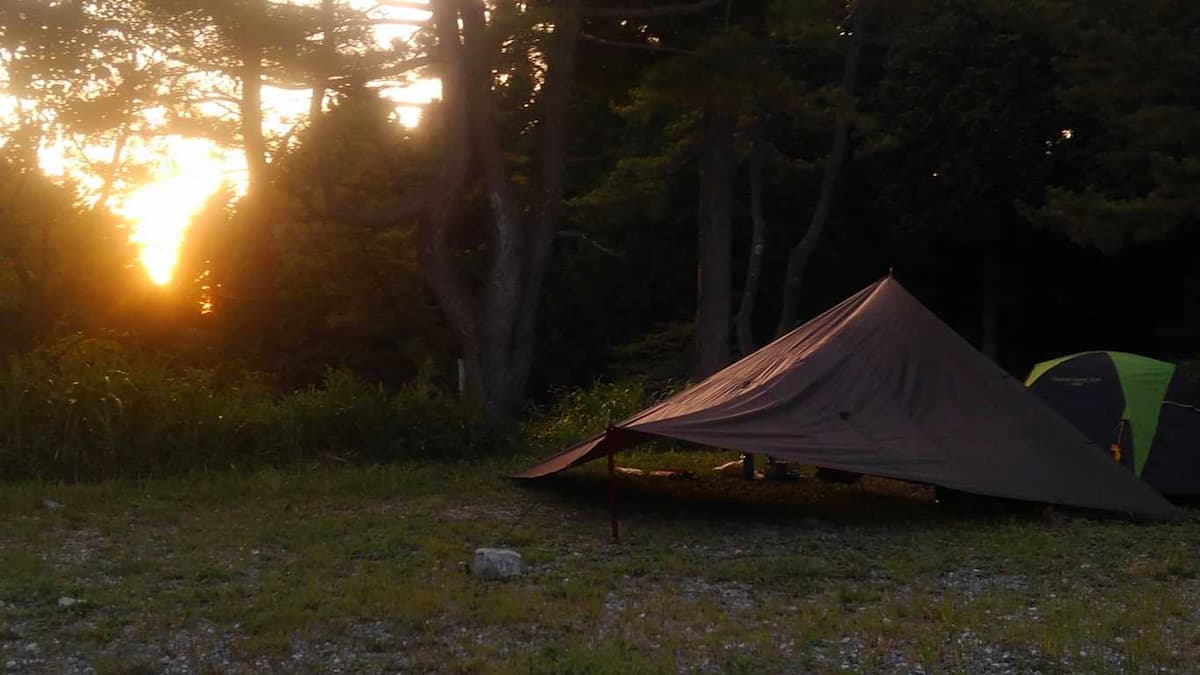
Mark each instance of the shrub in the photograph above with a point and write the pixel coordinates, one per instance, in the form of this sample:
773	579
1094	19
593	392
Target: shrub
89	409
434	424
579	413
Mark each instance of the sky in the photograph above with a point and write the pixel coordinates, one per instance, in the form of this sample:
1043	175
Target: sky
187	171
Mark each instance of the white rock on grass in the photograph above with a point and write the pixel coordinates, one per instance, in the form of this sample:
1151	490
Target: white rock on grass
51	505
496	563
64	601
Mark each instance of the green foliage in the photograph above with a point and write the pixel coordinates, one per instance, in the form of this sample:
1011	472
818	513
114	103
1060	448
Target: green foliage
635	189
1109	223
342	284
429	422
88	71
967	99
579	413
808	20
61	263
85	409
584	659
1133	104
973	120
663	356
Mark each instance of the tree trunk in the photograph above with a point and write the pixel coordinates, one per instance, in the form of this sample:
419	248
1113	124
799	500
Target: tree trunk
745	315
496	328
799	255
714	275
442	211
552	163
253	142
505	280
325	58
257	273
113	170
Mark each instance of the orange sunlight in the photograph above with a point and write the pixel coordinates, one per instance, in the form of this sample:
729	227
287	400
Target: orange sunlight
187	171
160	212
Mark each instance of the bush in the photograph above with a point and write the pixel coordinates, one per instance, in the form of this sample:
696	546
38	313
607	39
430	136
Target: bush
89	409
579	413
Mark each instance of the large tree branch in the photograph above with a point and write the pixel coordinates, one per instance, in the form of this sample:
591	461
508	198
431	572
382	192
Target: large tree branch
649	12
715	234
445	195
799	255
384	71
643	46
211	98
745	314
583	236
502	296
552	164
412	205
253	142
399	22
327	54
286	85
420	5
112	171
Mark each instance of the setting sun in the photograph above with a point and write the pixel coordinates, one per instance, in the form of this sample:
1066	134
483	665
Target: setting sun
160	212
189	170
184	172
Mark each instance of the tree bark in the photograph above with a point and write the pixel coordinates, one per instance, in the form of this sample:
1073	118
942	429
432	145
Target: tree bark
799	255
496	324
649	12
714	274
322	69
505	283
442	211
552	168
113	170
745	315
250	103
326	56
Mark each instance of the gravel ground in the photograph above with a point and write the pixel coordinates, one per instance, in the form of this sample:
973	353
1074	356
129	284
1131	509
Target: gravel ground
111	590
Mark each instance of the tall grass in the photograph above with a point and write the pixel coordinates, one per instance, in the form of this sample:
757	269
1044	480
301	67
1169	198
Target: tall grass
579	413
91	409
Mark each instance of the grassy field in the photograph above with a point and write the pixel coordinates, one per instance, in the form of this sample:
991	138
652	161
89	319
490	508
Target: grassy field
363	570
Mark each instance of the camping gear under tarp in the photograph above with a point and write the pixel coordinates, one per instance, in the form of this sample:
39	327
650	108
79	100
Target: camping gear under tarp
1132	406
879	385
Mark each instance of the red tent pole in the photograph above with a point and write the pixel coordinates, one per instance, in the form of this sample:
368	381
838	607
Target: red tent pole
612	492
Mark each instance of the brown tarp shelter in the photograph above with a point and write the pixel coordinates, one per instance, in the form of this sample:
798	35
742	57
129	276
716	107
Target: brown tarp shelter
879	385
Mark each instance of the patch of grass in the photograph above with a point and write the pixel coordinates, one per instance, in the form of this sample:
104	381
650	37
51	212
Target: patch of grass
615	658
92	409
288	568
114	666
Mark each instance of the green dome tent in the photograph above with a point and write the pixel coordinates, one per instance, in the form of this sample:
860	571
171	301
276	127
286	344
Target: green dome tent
1132	405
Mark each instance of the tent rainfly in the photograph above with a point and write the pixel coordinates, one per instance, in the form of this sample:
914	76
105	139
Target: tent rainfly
879	385
1132	406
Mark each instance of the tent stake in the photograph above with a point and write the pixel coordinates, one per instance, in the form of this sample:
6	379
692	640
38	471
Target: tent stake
612	493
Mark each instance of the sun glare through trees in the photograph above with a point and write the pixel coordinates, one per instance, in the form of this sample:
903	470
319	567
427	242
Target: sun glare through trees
177	174
342	268
187	174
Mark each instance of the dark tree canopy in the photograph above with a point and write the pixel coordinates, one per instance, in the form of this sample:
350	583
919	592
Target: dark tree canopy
604	187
